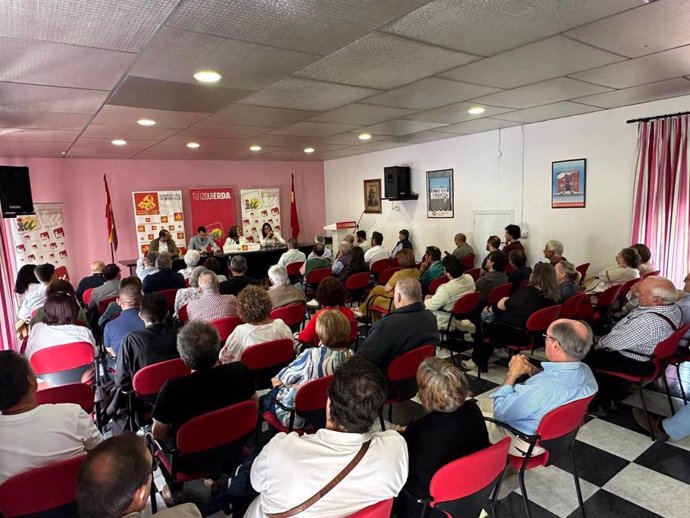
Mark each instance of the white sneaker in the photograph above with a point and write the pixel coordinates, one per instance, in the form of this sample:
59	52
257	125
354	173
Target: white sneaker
313	303
468	365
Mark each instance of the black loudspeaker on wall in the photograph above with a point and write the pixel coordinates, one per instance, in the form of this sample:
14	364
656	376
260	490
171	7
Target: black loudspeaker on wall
397	181
15	191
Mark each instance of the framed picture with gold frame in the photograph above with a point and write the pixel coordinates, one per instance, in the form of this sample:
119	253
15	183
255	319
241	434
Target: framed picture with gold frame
372	196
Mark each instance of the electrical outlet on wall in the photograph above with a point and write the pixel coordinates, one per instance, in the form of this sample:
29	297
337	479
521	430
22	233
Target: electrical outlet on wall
395	206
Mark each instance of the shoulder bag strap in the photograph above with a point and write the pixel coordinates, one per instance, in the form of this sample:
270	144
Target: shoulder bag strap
673	326
322	492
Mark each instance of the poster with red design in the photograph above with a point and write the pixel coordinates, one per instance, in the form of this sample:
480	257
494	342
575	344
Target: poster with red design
213	208
259	206
155	211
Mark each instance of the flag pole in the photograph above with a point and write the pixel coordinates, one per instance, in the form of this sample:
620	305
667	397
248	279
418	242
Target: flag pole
112	254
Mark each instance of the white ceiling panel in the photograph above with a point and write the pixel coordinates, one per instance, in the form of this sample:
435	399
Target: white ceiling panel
284	141
127	115
43	120
361	114
648	69
97	152
546	112
545	92
639	94
487	27
342	153
429	93
454	113
381	145
314	129
305	94
384	61
35	98
478	126
661	25
535	62
21	149
351	139
420	137
132	146
400	127
130	131
37	135
247	115
206	129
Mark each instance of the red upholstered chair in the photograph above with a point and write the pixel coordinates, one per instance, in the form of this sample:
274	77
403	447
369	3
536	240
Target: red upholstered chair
78	393
682	355
310	403
524	283
509	269
582	270
652	274
625	289
571	307
293	271
401	375
62	273
103	304
357	286
500	291
266	359
393	261
379	510
468	261
601	314
433	285
386	275
50	489
556	435
169	296
380	265
292	315
314	278
462	309
475	273
86	296
182	314
63	364
225	326
537	323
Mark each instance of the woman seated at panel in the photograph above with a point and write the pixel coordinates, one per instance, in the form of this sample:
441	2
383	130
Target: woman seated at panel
254	308
626	269
235	236
333	331
271	238
356	264
646	265
453	428
58	326
381	296
567	277
330	295
441	303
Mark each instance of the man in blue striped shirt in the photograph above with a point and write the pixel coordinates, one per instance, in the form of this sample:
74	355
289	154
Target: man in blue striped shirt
564	378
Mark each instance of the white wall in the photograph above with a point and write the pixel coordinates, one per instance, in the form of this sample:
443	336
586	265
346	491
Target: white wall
489	175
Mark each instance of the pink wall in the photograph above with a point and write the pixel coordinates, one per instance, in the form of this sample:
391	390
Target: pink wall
78	184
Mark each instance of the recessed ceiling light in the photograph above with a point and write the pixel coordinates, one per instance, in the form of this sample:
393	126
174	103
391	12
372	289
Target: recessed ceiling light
118	142
255	148
146	122
476	110
207	76
192	145
309	150
364	136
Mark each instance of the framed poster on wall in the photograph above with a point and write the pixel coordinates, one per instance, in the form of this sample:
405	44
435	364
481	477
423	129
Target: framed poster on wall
568	183
372	196
439	194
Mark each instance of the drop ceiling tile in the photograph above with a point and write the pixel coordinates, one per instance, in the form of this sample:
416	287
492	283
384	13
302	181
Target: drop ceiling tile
37	135
176	55
478	126
361	114
342	153
104	24
90	152
546	92
128	115
546	112
284	141
485	28
639	94
43	120
383	61
321	27
305	94
206	129
351	139
657	26
400	127
535	62
381	145
22	149
454	113
314	129
167	95
429	93
647	69
422	136
247	115
36	98
130	131
100	144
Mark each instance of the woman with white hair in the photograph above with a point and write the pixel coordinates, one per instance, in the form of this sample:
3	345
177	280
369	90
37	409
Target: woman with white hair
282	292
191	259
186	295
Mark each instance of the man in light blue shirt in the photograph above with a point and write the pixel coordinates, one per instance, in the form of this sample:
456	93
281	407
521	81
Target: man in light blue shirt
564	379
202	241
128	321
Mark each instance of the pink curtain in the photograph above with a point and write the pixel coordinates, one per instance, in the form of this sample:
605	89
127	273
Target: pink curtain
7	314
661	212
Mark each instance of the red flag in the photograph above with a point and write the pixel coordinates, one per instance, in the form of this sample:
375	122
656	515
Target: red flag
294	219
110	217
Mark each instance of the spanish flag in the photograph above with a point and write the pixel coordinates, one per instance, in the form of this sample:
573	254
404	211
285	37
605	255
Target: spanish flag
294	220
110	217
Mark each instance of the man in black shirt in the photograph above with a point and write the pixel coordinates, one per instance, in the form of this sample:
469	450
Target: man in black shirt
165	278
94	280
235	284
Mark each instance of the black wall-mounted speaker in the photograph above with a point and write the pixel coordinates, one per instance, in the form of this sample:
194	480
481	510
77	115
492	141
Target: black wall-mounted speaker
397	181
15	191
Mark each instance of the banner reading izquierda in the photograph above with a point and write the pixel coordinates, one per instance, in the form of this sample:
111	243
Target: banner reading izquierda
213	208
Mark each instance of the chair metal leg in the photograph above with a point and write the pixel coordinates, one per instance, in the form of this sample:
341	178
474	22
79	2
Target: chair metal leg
646	412
668	393
383	425
390	413
680	383
577	483
494	497
521	479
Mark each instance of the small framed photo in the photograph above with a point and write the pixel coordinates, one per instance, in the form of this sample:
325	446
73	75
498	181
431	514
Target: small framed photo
568	183
439	194
372	196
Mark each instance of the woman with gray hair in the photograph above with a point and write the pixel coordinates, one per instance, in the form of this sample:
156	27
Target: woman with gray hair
186	295
191	259
282	292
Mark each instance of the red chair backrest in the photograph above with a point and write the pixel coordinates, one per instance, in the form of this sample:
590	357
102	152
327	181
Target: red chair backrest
40	489
182	313
212	430
354	331
225	326
468	261
405	366
149	380
652	274
466	303
357	281
509	269
500	291
524	283
86	296
386	275
541	320
667	348
294	268
318	274
313	394
582	270
571	307
475	273
393	261
625	288
62	357
267	354
379	510
607	298
291	314
563	420
433	285
169	295
78	393
379	266
62	273
103	304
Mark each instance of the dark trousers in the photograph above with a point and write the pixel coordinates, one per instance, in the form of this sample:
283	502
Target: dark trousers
498	335
611	388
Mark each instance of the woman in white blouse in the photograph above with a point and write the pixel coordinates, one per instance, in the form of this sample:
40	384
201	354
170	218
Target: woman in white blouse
270	238
626	269
441	303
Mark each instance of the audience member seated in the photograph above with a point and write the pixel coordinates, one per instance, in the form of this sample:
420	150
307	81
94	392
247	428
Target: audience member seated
94	280
626	269
355	265
58	326
343	258
553	252
646	265
563	379
333	330
495	264
57	286
212	264
33	435
165	278
408	326
507	319
293	254
676	427
185	295
380	296
493	244
431	267
521	272
512	235
254	308
316	259
361	240
164	243
209	387
238	278
684	300
110	288
282	292
113	309
191	259
321	240
441	303
36	297
115	482
462	248
330	294
567	277
147	265
129	319
376	252
26	281
202	242
354	402
211	305
454	427
271	238
403	242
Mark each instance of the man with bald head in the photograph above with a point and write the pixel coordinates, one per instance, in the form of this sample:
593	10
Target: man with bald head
94	280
